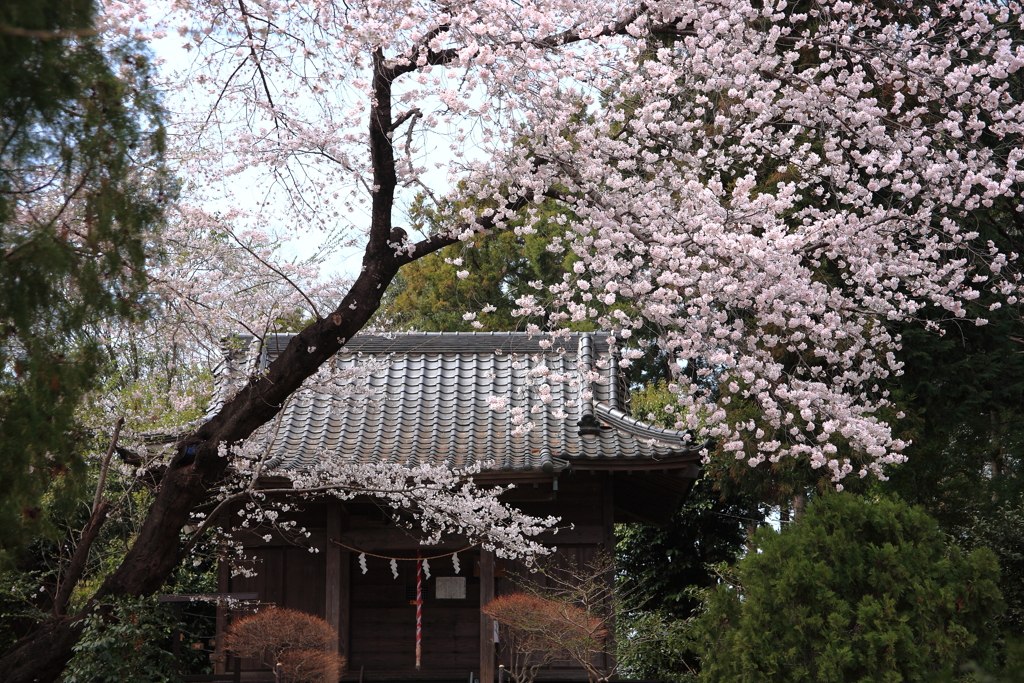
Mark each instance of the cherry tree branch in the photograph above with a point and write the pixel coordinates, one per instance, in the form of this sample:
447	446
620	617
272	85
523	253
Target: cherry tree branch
278	271
256	60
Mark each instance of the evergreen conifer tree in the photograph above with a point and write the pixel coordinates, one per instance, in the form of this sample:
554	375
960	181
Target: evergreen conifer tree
81	191
859	589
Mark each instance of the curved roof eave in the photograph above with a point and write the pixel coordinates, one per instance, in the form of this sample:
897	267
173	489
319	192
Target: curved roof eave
643	430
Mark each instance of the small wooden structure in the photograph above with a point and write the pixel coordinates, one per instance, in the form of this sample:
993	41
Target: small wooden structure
590	464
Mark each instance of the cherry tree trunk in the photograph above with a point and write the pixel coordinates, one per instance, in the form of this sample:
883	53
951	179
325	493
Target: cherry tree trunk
201	458
197	466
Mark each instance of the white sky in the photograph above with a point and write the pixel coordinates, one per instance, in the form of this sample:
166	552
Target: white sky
306	242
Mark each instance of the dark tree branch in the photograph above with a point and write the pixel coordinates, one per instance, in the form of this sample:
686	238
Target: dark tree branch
100	508
405	116
106	465
449	55
278	271
152	475
78	561
256	59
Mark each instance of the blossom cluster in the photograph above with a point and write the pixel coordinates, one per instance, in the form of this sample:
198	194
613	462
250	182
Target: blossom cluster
773	186
433	500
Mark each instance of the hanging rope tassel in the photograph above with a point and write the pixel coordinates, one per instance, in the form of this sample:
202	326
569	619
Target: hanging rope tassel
419	608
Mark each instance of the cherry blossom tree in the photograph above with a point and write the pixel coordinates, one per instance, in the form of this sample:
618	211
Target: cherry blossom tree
772	185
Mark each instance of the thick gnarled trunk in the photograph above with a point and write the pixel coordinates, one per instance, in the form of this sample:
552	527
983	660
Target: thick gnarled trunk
42	654
197	465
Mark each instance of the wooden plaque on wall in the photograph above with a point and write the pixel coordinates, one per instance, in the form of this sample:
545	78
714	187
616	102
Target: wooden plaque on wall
450	588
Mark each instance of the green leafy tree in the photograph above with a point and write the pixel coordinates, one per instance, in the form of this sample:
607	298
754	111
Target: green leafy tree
671	560
661	648
485	276
709	529
674	563
82	189
860	589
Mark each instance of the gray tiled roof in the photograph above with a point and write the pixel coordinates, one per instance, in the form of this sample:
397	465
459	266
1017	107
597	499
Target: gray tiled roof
431	406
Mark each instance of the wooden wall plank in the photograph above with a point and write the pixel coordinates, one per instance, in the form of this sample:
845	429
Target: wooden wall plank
302	581
270	580
383	620
345	604
223	586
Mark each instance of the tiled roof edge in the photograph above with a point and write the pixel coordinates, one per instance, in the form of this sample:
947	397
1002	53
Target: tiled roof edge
451	342
548	464
643	430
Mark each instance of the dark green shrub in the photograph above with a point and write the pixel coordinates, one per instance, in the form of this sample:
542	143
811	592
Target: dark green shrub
864	590
122	642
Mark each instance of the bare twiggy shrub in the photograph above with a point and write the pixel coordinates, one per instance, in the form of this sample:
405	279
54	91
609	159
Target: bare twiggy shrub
570	613
539	629
312	666
300	642
521	620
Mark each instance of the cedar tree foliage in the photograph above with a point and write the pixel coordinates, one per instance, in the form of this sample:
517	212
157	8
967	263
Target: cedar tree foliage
856	590
82	191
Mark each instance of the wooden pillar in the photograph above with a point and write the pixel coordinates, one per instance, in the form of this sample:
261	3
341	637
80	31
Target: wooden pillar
220	648
486	623
608	514
608	536
338	567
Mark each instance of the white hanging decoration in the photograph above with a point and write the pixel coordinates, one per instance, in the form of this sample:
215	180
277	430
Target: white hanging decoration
426	568
362	562
455	562
394	568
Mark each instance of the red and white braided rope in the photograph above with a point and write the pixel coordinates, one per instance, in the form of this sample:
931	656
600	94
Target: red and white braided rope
419	608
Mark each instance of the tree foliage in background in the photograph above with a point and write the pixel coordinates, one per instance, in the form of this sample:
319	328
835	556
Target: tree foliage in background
29	586
858	590
963	394
662	647
672	566
123	641
670	560
82	189
674	563
485	276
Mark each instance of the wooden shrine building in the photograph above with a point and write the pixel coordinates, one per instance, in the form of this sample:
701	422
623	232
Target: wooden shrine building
589	463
